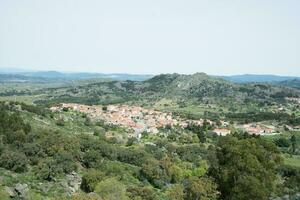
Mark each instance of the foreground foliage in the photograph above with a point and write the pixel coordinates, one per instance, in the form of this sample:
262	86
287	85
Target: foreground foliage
231	167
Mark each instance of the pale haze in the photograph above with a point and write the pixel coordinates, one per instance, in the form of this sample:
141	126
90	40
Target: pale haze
152	36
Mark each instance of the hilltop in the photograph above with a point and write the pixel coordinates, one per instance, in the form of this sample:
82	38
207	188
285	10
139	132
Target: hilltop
196	95
196	88
294	83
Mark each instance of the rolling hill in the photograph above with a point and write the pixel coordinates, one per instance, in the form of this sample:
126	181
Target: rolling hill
196	88
248	78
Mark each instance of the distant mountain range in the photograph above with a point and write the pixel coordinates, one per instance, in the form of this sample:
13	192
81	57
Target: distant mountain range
26	75
247	78
21	75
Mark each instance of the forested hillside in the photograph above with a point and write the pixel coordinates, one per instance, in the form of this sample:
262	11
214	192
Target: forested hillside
235	141
196	88
41	158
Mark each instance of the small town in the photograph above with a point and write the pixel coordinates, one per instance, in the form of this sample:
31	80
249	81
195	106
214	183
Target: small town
149	120
135	117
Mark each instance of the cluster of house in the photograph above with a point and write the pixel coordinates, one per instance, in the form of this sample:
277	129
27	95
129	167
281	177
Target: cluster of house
148	120
294	99
258	129
135	117
252	128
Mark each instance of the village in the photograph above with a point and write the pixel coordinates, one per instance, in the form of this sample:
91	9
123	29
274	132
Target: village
149	120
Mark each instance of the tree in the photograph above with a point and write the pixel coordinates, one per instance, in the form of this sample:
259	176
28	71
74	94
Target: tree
47	169
175	192
201	136
176	173
246	168
90	180
201	189
131	141
294	142
282	142
104	108
14	161
111	189
88	121
155	173
65	161
141	193
60	121
92	159
15	137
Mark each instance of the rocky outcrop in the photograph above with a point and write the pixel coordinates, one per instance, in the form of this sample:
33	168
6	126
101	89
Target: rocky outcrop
10	191
72	183
20	191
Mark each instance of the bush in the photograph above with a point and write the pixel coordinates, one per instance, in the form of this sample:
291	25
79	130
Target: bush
176	192
282	142
65	161
201	188
88	121
47	169
34	152
90	180
60	122
14	161
111	189
145	193
15	137
92	159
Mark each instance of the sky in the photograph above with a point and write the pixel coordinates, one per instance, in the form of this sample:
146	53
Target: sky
152	36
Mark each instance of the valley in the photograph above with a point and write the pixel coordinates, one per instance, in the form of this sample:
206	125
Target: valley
160	138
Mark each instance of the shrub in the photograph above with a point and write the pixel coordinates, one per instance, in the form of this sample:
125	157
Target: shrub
92	159
111	189
90	180
282	142
65	161
47	169
14	161
60	122
145	193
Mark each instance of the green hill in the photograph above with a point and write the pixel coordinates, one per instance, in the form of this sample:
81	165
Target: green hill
198	87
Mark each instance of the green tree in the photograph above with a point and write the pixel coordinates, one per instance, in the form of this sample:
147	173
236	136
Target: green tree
282	142
65	161
201	189
47	169
175	192
155	173
111	189
90	180
201	136
294	143
88	121
15	137
246	168
60	121
15	161
141	193
92	159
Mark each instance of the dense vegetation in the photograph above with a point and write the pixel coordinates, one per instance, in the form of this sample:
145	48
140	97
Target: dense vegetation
180	90
173	167
68	155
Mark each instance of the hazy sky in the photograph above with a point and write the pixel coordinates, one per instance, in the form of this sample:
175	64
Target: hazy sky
152	36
